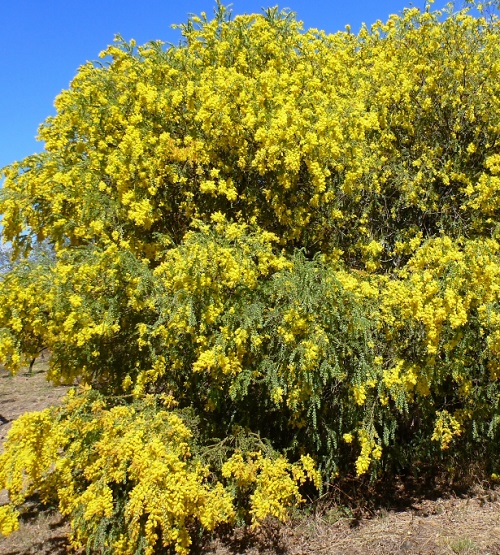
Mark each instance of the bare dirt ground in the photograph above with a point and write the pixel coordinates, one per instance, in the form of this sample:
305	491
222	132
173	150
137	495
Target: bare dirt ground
468	524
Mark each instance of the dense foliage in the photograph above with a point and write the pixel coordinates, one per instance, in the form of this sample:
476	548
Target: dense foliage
270	247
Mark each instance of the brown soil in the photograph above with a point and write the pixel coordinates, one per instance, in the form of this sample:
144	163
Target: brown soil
468	524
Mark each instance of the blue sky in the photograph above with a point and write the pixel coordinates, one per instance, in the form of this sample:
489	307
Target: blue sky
44	42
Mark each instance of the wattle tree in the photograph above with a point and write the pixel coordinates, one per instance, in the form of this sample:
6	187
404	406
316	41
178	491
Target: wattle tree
273	262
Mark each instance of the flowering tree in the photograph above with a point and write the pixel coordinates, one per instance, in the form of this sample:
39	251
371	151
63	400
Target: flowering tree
284	240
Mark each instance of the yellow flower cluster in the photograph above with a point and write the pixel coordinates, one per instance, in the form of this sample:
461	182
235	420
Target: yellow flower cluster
370	450
132	465
275	482
92	462
446	428
9	520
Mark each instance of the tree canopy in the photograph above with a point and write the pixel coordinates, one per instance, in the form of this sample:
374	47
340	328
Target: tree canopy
275	257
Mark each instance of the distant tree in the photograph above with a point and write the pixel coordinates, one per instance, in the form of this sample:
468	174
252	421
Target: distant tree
4	258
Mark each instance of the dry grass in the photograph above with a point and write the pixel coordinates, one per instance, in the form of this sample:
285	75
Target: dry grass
468	525
441	527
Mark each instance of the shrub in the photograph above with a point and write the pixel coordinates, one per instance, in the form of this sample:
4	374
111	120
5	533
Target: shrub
291	238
